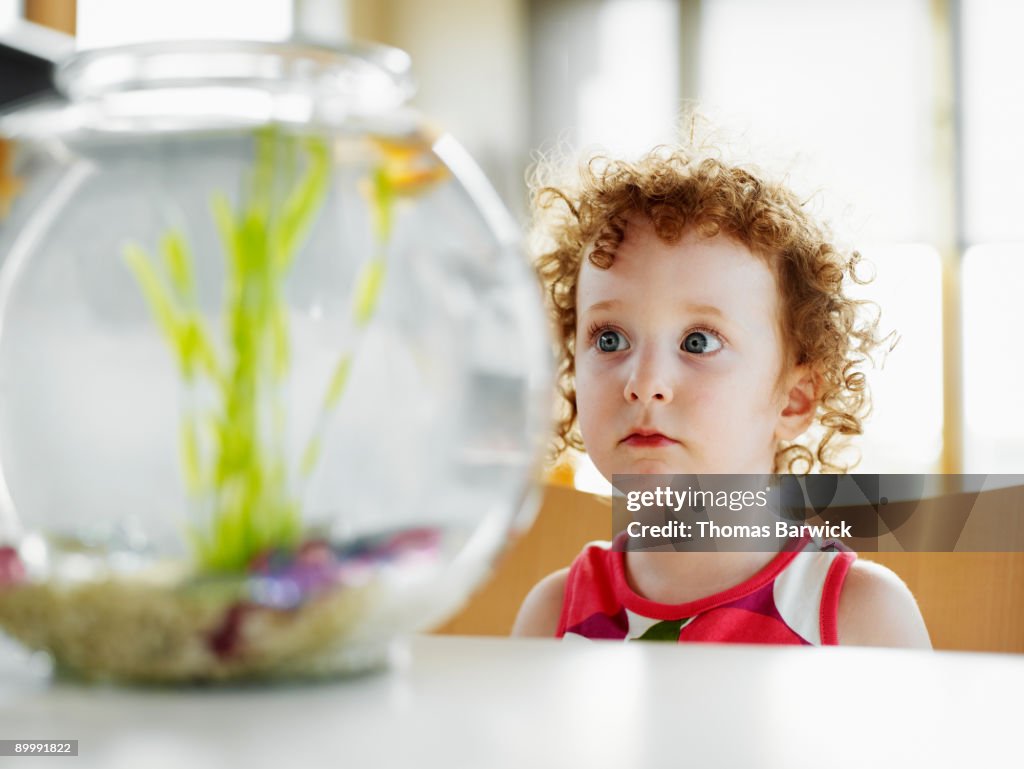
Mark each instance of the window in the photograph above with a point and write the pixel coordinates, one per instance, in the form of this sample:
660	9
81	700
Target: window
591	86
993	267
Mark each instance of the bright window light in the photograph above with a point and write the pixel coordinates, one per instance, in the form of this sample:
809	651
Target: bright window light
630	104
10	11
903	434
588	478
115	22
993	366
844	90
993	121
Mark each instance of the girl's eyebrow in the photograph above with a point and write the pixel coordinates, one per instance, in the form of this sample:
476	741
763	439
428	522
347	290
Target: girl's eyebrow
704	309
696	309
606	304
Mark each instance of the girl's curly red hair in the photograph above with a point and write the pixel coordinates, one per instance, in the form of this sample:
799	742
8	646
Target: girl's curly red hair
678	189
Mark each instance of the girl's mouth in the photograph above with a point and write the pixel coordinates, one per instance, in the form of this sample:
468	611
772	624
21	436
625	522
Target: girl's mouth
648	441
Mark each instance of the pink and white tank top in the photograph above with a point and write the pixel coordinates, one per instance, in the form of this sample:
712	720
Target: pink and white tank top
792	600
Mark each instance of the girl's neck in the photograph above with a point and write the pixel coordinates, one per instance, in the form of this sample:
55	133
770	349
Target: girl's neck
674	578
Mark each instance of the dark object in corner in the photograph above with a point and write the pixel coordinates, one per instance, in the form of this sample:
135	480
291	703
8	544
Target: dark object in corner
28	53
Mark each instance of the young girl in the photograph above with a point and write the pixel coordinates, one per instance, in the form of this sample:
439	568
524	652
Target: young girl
704	330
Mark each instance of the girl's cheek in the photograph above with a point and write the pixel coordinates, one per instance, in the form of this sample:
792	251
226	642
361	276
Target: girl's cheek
709	387
593	367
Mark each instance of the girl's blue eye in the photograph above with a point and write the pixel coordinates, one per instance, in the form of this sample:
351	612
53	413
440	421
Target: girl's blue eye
701	343
611	341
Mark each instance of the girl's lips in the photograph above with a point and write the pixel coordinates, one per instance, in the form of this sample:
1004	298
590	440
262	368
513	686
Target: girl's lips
648	441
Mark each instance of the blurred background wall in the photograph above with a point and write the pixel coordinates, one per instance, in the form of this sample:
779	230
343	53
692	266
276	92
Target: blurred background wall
901	120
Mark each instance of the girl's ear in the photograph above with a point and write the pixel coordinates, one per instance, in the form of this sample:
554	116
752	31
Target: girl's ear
800	393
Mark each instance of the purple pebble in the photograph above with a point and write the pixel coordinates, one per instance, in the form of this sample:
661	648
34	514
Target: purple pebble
12	570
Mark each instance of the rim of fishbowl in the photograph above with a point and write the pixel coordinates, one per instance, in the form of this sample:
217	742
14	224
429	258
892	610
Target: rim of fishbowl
367	77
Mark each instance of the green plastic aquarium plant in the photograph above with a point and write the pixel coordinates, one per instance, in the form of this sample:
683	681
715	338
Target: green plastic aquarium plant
233	456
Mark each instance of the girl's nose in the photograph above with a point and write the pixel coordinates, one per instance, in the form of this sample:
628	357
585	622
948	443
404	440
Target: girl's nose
650	380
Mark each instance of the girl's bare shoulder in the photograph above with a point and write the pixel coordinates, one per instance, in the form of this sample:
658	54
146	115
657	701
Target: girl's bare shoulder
541	609
876	608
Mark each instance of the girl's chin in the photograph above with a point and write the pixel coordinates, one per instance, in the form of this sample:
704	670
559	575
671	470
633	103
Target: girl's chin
654	466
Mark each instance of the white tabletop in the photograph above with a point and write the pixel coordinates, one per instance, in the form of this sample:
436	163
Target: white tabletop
474	702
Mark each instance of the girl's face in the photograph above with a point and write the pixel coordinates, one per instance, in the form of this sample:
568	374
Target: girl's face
679	359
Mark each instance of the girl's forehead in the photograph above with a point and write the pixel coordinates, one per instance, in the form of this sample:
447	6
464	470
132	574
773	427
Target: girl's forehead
716	273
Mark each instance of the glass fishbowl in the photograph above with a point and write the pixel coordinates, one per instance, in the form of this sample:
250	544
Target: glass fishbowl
274	371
